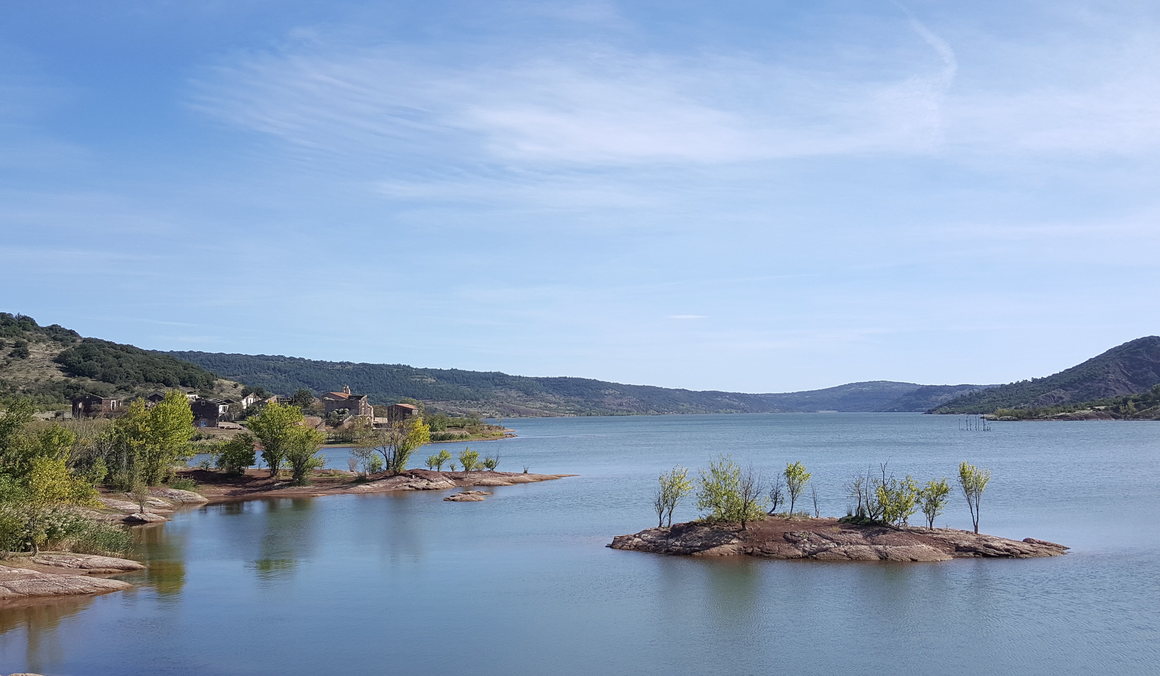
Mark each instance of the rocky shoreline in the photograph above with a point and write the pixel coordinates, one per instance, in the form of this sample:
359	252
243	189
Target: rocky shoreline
826	539
55	574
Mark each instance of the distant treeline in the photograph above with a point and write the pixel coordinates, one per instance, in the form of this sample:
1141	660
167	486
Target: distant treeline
493	393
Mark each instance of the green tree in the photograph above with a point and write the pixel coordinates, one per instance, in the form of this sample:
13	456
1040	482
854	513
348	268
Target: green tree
897	499
49	484
973	481
436	461
170	428
302	445
147	442
469	459
933	498
302	398
796	478
672	487
237	454
397	441
729	494
273	427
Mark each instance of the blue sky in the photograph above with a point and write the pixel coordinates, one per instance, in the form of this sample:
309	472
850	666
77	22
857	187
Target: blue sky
754	196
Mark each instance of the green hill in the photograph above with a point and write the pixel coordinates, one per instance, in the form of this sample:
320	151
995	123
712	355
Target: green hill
1128	369
49	364
499	394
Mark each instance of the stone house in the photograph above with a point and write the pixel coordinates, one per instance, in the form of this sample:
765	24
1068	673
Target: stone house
400	412
355	404
92	406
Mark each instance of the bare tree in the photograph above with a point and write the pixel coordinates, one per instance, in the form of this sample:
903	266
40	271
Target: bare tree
814	495
749	492
776	493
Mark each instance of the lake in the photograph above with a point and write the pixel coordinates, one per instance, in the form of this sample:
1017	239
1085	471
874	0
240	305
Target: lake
523	582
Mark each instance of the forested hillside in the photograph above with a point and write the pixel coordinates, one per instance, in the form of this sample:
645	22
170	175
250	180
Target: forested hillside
499	394
1128	369
49	364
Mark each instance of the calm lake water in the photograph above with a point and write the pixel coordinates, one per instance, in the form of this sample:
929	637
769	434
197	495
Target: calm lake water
523	582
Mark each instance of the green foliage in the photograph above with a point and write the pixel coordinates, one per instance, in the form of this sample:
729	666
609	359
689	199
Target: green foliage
491	462
397	441
147	442
469	459
273	427
302	445
236	455
672	487
933	498
722	491
127	365
796	478
1134	365
437	460
897	499
302	398
183	483
973	481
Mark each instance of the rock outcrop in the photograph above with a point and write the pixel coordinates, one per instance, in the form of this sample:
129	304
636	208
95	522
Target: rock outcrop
54	574
467	496
829	540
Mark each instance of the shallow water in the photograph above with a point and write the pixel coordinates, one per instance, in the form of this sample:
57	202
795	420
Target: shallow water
522	583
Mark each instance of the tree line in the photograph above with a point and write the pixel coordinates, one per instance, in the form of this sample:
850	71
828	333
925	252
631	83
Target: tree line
727	493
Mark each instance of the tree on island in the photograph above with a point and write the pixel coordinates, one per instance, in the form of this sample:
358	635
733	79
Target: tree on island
730	494
673	486
973	481
437	460
932	498
796	478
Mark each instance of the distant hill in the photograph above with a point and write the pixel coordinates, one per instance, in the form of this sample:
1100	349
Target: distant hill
1128	369
50	364
499	394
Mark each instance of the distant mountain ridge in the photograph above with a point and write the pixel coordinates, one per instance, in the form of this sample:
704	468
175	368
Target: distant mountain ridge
1129	369
500	394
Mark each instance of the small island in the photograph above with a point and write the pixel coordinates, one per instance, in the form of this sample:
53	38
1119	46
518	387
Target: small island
743	519
827	539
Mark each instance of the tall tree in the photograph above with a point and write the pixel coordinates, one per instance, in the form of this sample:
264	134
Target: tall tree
273	427
796	478
397	441
672	486
302	444
973	481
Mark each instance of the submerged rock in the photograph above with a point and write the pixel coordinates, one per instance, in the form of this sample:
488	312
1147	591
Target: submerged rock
829	540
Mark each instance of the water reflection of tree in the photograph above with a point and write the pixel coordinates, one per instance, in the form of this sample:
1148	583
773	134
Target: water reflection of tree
163	550
288	536
39	622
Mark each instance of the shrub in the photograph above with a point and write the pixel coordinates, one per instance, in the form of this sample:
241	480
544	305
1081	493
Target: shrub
183	483
469	459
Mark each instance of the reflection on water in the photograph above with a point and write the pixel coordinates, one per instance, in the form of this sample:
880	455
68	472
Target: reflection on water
525	579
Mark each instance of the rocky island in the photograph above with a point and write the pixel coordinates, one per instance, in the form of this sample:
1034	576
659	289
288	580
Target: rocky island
827	539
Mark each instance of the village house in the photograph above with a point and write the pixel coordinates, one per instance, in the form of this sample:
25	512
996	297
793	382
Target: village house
208	412
92	406
400	412
354	404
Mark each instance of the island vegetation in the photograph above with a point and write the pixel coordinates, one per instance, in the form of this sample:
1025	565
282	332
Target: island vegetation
740	517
